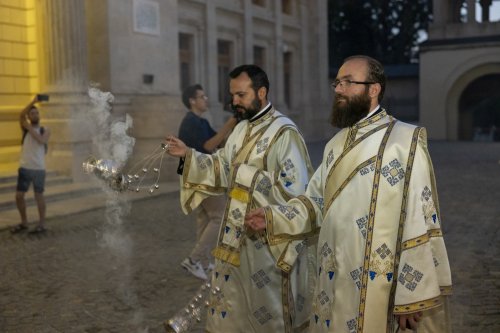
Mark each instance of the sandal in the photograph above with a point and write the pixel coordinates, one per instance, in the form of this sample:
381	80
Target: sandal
18	228
37	230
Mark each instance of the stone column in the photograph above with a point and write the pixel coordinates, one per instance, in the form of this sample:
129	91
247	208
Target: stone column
63	75
64	52
278	85
248	32
211	52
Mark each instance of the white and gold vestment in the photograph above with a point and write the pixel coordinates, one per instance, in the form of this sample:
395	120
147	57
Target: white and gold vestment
380	251
264	162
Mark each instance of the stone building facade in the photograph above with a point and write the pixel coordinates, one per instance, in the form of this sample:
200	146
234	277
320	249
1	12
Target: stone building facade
460	73
144	52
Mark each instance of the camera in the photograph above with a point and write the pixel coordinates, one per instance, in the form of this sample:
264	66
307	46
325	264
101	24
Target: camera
42	98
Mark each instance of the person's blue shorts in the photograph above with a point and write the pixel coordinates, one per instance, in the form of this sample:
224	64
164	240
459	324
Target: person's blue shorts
26	176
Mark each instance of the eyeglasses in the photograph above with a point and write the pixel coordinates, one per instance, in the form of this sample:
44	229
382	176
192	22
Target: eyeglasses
202	97
346	83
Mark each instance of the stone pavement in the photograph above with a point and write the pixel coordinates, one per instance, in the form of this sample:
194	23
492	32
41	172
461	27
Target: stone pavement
95	272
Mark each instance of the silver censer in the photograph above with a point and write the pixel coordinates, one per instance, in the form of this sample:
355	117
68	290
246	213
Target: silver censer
185	319
106	170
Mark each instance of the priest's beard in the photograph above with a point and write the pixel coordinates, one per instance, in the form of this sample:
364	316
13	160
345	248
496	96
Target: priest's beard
248	112
347	111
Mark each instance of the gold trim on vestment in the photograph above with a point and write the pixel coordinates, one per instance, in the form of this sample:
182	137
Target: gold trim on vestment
285	297
414	242
435	232
272	142
346	182
446	290
187	163
369	227
418	306
402	219
351	136
353	131
216	170
227	255
371	119
423	139
240	194
346	151
285	237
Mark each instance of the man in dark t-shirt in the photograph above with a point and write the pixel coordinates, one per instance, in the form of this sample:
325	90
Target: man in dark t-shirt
197	133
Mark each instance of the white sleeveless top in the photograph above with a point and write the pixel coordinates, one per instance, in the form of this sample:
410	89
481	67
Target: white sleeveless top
32	153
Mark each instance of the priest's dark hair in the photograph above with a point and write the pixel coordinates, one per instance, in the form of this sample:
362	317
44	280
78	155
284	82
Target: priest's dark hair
255	73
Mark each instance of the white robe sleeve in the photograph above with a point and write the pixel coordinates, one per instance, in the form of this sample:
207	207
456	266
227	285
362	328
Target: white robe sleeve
424	272
203	175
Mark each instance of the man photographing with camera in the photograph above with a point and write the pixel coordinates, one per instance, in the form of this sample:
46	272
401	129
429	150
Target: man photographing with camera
32	164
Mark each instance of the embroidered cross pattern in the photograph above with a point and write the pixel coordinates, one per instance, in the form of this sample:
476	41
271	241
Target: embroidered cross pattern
258	244
218	304
260	279
383	251
367	169
203	161
236	214
323	298
393	172
329	158
426	194
289	165
325	250
361	222
262	145
429	210
319	201
436	262
356	276
323	312
410	277
379	266
264	186
299	247
288	211
262	315
351	325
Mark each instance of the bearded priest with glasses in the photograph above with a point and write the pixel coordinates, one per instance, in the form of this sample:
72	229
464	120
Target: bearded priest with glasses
382	264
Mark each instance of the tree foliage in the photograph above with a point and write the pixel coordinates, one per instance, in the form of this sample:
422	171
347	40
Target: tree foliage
388	30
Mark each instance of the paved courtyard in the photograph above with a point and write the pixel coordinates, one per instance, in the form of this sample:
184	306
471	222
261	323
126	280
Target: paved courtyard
96	272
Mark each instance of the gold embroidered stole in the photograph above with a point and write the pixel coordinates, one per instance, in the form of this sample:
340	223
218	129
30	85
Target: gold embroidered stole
354	157
240	193
394	162
390	147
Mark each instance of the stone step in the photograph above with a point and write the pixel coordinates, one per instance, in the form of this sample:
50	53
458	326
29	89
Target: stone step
8	184
52	193
68	199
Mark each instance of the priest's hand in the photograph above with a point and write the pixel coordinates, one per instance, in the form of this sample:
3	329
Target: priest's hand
409	321
175	147
256	220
